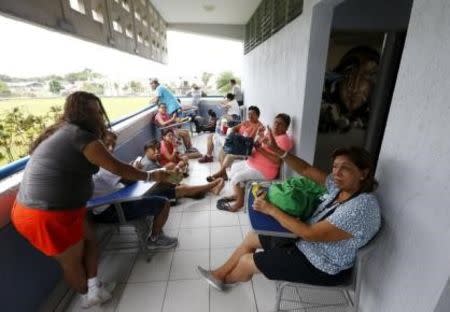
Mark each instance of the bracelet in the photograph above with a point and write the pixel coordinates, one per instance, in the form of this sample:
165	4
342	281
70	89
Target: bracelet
284	155
149	176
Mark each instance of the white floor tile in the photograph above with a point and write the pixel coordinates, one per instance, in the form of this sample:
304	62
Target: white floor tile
238	298
245	230
178	208
156	270
185	262
116	267
223	218
146	297
174	220
193	205
219	256
243	218
195	219
226	237
264	293
193	238
187	296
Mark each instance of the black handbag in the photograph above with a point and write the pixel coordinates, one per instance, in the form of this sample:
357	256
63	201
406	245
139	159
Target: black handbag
237	144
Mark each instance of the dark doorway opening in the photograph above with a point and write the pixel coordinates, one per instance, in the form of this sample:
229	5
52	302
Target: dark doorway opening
363	59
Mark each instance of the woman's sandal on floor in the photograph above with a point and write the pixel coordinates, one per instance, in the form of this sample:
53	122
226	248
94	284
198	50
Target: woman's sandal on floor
227	199
224	205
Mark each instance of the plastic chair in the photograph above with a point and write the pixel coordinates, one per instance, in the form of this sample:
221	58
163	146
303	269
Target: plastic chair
353	285
142	226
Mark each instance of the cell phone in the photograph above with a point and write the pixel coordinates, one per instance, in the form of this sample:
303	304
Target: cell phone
260	192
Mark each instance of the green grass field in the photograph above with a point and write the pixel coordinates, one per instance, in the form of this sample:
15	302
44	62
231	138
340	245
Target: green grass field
116	107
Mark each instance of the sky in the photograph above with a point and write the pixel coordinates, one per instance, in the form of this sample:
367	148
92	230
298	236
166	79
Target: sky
34	51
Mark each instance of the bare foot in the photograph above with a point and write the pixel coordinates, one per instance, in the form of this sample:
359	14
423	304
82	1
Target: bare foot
216	189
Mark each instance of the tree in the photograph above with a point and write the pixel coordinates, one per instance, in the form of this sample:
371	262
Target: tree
136	86
55	86
223	81
84	75
205	78
93	87
18	130
4	90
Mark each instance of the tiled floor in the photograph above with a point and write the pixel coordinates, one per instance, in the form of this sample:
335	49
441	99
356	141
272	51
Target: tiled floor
169	283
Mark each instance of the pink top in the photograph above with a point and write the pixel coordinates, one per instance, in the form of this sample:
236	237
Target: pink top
249	129
166	148
259	162
160	118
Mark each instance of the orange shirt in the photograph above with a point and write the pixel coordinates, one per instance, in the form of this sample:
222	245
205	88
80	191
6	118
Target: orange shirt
249	129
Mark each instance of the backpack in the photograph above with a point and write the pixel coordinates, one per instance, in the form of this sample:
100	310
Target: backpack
297	196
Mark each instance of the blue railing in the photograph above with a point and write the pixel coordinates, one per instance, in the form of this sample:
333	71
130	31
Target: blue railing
19	164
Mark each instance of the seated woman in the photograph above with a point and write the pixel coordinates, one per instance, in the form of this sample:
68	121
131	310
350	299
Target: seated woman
170	158
328	241
163	119
262	164
247	128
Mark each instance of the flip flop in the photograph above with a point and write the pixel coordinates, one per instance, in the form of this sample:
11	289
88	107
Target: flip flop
225	206
227	199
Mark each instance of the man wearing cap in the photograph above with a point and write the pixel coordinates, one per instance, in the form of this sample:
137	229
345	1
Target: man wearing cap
163	95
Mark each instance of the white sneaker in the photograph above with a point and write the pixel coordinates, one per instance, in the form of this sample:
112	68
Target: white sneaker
98	295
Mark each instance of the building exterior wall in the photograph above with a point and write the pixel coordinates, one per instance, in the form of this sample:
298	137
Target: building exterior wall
408	272
410	268
275	76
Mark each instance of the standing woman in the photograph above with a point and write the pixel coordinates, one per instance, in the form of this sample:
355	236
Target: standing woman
50	207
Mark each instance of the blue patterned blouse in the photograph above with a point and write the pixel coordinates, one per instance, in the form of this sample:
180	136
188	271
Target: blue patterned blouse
360	216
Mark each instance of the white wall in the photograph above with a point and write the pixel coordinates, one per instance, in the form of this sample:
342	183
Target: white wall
275	75
409	270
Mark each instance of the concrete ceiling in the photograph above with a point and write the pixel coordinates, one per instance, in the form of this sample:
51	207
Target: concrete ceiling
234	12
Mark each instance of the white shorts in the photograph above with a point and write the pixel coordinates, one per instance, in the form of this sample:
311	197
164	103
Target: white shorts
241	172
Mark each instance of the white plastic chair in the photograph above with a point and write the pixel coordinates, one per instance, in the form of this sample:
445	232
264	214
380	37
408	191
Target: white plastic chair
294	290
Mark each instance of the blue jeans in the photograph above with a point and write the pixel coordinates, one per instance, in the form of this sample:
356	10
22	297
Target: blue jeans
149	206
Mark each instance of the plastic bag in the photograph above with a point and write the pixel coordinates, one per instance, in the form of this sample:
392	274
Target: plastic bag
297	196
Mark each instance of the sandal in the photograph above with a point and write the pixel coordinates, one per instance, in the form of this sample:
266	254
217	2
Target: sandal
227	199
205	159
225	206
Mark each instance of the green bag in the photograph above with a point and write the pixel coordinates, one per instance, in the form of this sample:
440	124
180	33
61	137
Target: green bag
297	196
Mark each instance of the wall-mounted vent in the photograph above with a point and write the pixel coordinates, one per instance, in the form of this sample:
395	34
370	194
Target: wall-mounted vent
269	17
